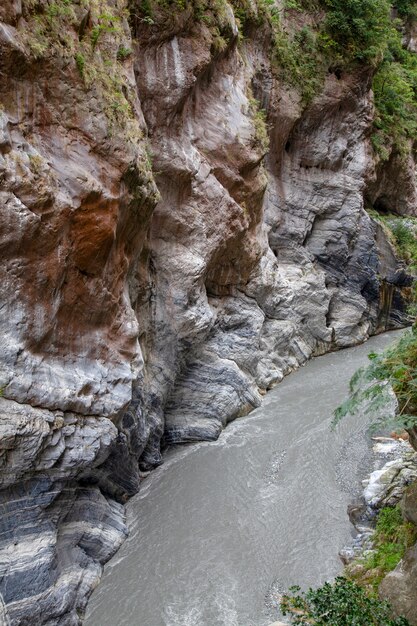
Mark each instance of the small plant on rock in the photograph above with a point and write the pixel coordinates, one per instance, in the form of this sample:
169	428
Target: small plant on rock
392	537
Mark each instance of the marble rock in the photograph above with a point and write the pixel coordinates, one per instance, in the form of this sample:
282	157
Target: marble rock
161	266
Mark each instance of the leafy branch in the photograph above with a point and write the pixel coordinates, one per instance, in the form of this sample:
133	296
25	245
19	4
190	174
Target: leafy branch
341	603
396	369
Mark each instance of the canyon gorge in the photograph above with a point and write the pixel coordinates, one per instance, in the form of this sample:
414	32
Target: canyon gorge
182	225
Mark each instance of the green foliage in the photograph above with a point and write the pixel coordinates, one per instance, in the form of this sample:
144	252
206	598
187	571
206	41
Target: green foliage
46	31
349	32
384	559
397	366
402	232
107	23
355	32
337	34
392	537
395	96
259	123
146	11
363	31
341	603
405	239
97	47
392	529
406	8
352	600
359	27
167	15
123	53
292	5
58	10
299	59
80	63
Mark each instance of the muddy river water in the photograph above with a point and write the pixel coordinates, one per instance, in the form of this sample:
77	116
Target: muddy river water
219	529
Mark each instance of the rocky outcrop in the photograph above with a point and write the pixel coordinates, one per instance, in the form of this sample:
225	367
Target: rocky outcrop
393	483
57	525
159	272
393	185
400	585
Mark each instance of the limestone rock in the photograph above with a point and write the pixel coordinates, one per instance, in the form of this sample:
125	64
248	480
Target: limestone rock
386	486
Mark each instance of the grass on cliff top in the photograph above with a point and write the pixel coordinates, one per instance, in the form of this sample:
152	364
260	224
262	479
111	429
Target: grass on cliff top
94	35
341	603
309	39
395	96
392	537
341	35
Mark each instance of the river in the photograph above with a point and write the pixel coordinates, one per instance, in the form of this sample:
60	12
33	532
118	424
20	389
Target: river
219	529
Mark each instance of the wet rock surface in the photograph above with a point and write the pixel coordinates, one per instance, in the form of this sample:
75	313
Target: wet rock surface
393	482
158	274
395	468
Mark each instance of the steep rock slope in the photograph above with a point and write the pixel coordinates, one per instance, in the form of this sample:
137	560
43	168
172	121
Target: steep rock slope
159	274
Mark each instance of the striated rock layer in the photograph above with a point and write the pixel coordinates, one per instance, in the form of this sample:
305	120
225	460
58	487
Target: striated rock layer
159	272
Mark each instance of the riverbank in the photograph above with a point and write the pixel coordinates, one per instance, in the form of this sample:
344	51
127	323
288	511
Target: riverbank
383	557
379	583
395	467
377	563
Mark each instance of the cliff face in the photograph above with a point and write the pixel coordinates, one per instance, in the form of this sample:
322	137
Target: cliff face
161	268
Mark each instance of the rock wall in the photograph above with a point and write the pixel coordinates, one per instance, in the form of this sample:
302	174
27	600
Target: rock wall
161	267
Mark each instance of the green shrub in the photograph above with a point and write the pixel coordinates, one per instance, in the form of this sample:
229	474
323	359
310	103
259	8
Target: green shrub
107	23
261	136
405	239
395	96
341	603
292	5
355	32
360	27
406	8
402	232
299	59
